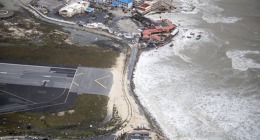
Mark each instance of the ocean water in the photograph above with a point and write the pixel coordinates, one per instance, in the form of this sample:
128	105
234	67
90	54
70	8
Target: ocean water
207	88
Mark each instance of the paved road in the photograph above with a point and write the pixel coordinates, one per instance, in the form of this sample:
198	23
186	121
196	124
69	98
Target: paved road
132	60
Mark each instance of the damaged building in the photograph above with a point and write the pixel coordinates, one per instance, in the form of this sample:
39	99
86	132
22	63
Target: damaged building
75	7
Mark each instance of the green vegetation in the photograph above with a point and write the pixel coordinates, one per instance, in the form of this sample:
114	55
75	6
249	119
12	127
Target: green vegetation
84	56
82	120
46	45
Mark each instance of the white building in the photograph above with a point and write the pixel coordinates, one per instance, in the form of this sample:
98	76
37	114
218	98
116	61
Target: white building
72	8
148	6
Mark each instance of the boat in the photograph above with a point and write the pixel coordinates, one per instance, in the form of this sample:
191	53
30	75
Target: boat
175	31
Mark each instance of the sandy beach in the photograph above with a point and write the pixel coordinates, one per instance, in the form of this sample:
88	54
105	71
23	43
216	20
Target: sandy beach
131	113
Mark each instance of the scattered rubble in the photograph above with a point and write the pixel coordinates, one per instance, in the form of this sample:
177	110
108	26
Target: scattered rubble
62	113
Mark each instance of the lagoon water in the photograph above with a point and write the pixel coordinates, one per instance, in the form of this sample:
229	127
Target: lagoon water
207	88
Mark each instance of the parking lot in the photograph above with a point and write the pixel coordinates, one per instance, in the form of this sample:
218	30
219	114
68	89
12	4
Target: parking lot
96	16
115	19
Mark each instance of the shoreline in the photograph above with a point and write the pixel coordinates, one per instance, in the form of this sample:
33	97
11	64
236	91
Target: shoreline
139	113
152	121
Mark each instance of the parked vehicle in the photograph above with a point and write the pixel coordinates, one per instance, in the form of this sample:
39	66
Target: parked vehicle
94	17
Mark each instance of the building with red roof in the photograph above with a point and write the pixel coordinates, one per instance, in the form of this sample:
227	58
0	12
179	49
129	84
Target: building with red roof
163	26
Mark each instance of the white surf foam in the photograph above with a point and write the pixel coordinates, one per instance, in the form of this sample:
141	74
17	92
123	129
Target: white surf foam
213	18
240	61
187	105
211	13
188	102
188	36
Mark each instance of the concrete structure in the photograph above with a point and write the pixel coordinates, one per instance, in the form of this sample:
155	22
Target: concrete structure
136	3
148	6
73	8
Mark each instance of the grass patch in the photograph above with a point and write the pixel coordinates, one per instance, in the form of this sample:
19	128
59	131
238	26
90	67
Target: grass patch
84	56
48	46
82	120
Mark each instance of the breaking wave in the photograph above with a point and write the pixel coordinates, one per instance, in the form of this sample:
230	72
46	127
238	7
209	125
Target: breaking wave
191	103
211	13
212	18
191	88
240	61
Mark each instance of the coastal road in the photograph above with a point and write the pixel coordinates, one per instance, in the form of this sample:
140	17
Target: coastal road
132	60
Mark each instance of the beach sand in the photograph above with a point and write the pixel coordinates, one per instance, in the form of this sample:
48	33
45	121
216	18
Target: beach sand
128	108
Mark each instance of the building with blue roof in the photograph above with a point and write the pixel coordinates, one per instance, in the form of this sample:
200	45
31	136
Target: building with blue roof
122	3
89	9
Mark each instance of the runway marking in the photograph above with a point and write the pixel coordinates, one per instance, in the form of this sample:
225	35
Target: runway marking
53	98
3	72
100	79
47	67
65	101
38	107
79	74
18	96
76	83
31	103
73	79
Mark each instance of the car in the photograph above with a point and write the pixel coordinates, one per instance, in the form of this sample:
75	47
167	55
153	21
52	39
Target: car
80	23
198	37
94	17
107	16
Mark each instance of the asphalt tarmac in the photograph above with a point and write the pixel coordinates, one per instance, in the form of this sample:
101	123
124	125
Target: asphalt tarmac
36	75
92	80
49	89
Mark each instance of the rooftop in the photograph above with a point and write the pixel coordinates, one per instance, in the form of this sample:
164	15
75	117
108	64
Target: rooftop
126	1
140	136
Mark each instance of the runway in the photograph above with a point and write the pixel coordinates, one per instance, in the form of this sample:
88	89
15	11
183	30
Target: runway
36	75
43	88
92	80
